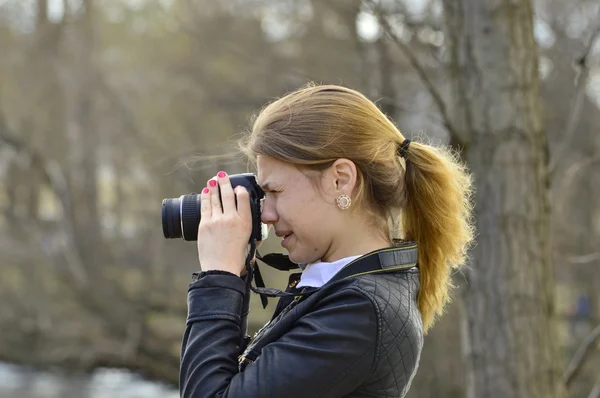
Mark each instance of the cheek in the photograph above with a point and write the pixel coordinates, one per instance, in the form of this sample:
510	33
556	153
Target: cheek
311	218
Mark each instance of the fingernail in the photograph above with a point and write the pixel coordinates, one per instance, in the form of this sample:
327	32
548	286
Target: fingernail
205	190
212	183
221	174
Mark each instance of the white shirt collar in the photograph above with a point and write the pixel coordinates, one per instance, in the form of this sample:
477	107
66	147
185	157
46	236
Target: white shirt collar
319	273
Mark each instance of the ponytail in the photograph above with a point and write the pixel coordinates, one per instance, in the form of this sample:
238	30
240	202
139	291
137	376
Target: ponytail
437	215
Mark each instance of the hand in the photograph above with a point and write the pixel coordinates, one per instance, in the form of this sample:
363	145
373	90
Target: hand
224	232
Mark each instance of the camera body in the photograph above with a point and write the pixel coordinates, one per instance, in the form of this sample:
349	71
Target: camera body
181	216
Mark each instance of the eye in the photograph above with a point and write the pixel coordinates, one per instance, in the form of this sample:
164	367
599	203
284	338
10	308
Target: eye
273	192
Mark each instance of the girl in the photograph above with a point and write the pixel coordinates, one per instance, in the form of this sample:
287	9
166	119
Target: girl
341	185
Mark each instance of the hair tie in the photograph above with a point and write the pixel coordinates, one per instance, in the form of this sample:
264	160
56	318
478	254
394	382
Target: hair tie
403	148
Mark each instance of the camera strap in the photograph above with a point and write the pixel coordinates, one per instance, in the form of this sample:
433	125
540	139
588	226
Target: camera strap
403	255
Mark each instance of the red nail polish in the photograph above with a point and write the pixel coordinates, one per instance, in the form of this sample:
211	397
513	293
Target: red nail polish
205	190
221	174
212	183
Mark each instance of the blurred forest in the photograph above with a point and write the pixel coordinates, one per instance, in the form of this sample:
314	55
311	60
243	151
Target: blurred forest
103	102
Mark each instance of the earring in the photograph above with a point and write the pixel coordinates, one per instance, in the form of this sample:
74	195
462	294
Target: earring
343	202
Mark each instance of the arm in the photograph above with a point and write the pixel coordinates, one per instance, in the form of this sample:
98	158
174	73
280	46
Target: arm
328	353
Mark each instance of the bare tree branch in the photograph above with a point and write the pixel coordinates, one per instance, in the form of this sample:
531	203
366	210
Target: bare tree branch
579	166
420	70
584	259
56	179
595	393
578	101
570	177
581	354
15	247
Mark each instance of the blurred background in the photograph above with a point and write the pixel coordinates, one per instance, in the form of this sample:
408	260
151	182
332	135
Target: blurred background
104	102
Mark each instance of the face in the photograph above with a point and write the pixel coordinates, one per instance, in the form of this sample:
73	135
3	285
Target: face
303	216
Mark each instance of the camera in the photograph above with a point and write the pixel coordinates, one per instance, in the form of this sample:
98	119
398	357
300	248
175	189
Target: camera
181	216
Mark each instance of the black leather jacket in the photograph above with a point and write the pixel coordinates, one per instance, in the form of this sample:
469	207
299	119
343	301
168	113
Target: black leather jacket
357	337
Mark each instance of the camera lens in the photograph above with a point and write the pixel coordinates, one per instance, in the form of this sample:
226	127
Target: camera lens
181	216
171	218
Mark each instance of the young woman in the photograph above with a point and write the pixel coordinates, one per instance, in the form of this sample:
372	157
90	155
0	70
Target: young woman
342	186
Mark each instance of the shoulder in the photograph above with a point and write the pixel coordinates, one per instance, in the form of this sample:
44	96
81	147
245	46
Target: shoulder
400	327
389	309
395	298
391	297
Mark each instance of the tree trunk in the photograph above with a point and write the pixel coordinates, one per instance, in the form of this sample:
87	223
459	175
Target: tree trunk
442	373
82	136
387	91
511	344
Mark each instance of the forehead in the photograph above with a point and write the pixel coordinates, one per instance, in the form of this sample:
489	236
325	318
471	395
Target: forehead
273	173
271	170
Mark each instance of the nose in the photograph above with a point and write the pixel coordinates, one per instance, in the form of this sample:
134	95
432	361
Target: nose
269	213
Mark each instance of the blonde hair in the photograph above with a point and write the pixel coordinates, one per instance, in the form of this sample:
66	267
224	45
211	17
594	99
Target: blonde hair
318	124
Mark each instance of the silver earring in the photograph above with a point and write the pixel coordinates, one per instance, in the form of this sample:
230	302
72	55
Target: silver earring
343	202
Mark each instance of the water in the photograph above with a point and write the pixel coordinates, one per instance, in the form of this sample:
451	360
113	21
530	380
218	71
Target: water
19	382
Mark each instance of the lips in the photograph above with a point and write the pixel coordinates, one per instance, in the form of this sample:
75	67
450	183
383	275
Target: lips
285	235
286	239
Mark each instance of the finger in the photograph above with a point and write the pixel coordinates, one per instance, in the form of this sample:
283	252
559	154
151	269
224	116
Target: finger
243	200
205	211
214	197
227	195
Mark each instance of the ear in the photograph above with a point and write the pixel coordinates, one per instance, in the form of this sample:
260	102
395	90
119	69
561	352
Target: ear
342	177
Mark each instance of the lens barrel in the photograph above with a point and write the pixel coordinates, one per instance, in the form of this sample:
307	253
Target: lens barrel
190	216
181	216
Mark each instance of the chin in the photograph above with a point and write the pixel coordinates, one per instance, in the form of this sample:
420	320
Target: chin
294	258
298	257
